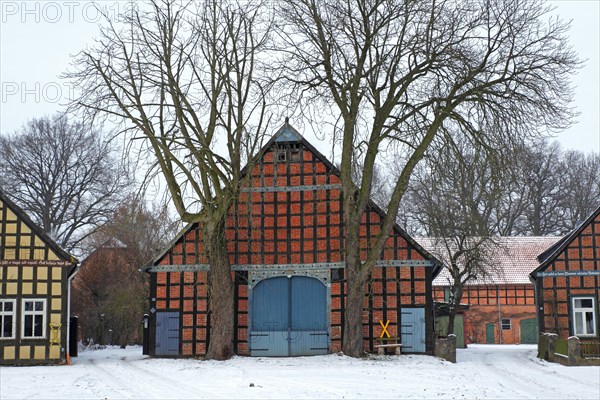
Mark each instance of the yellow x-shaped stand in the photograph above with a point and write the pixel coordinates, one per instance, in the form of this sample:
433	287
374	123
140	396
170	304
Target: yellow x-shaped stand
384	326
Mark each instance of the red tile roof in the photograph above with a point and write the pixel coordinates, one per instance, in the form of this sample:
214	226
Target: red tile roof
516	258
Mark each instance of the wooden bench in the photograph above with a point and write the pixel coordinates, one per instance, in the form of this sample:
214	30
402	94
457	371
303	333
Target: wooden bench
388	343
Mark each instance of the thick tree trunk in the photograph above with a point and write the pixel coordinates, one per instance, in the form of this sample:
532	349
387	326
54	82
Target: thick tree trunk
352	344
221	293
353	325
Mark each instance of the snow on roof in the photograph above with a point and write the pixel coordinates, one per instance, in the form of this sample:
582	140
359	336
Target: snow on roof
516	258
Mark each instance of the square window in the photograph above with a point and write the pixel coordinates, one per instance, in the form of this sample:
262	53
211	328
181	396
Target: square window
506	325
337	275
34	319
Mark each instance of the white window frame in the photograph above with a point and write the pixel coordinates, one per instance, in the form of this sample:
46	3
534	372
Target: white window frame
584	310
3	314
33	313
509	324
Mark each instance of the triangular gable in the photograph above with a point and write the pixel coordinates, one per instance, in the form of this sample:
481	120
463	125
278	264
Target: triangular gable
25	241
287	134
547	257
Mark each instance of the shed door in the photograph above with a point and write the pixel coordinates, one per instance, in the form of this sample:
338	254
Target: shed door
167	334
289	317
413	330
489	333
528	331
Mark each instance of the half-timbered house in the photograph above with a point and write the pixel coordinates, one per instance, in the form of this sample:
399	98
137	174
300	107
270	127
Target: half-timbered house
34	281
567	283
501	306
286	240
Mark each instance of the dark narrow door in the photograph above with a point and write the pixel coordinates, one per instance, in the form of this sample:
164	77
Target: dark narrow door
167	334
289	317
413	330
489	333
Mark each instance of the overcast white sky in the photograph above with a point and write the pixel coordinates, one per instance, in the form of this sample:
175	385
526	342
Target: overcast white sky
38	37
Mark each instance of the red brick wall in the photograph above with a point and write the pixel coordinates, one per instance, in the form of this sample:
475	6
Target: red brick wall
477	318
516	302
583	254
284	227
389	290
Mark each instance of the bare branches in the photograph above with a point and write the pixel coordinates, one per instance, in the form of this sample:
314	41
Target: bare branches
183	77
401	73
64	174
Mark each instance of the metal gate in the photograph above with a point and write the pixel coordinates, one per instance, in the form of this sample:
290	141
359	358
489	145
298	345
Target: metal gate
289	317
441	327
413	330
167	334
528	329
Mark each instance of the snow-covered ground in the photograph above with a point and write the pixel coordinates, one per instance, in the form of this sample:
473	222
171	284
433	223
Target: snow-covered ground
482	371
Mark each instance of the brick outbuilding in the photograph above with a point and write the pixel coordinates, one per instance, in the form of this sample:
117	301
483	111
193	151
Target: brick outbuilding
568	283
501	308
286	239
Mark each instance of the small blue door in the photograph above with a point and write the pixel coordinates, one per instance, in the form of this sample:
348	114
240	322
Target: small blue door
167	334
413	330
289	317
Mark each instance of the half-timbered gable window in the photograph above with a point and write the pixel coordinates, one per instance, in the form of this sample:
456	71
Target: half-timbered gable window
584	316
34	318
7	319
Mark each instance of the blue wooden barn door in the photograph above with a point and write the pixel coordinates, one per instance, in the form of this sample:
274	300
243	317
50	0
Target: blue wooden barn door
289	317
270	318
167	334
413	330
308	317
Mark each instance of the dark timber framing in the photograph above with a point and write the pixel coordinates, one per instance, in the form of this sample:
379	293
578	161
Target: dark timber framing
32	268
570	268
289	220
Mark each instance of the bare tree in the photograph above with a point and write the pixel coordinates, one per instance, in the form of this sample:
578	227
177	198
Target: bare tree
109	295
543	177
184	77
454	198
561	187
145	229
109	292
64	174
581	187
400	75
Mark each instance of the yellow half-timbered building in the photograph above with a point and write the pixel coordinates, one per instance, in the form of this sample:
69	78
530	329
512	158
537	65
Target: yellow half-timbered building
34	279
